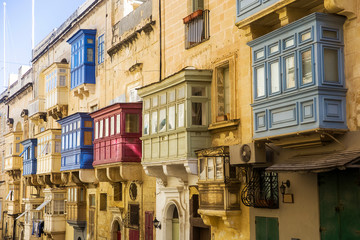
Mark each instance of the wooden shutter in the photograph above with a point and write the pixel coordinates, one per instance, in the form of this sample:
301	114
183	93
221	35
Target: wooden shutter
266	228
148	225
133	234
134	214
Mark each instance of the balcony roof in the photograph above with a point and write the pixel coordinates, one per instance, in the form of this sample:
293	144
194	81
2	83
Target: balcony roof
116	107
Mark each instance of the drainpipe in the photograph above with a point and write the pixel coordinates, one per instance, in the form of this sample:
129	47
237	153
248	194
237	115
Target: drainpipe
2	227
160	40
14	229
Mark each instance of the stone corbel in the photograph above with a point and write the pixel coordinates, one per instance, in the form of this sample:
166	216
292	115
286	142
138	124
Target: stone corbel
131	171
289	14
191	167
231	219
253	31
41	180
88	176
176	170
65	177
55	178
156	171
100	174
113	174
210	220
343	7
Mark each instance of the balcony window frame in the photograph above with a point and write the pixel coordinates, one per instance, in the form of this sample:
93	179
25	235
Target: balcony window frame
340	64
296	78
269	63
300	67
101	49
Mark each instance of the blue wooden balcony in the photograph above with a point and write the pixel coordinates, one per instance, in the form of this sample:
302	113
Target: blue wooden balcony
29	156
76	142
247	8
298	77
82	57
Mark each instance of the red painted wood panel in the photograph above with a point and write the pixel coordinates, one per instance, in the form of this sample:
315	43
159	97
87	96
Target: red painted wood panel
148	225
133	234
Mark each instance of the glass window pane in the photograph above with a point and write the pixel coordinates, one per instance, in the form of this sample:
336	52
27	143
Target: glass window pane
331	65
290	72
131	123
198	91
154	101
154	122
219	168
181	93
210	168
171	118
306	67
112	126
74	139
181	115
146	123
101	128
197	113
90	53
78	138
172	96
202	175
275	77
260	82
106	127
163	99
162	120
118	123
96	130
147	104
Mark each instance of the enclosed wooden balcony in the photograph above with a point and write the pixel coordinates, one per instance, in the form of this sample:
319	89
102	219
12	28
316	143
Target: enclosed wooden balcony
29	155
176	116
37	112
13	162
117	144
76	207
56	89
77	146
32	215
49	151
12	199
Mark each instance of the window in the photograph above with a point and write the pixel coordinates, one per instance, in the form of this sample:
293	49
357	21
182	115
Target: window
181	115
197	26
103	201
223	91
197	4
198	113
146	124
212	168
171	123
162	120
290	80
101	48
306	67
92	215
101	128
96	130
117	191
118	123
260	81
134	214
274	68
131	123
112	125
154	122
90	55
62	81
330	65
106	127
17	147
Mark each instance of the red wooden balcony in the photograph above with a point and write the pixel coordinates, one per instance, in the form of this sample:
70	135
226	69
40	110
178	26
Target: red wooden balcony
117	133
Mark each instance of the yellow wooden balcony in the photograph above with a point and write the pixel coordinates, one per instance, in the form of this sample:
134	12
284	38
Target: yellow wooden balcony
12	162
13	207
13	148
49	151
76	211
37	108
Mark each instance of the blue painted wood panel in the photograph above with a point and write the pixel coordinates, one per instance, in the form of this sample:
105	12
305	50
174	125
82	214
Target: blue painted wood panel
246	8
300	94
29	156
76	142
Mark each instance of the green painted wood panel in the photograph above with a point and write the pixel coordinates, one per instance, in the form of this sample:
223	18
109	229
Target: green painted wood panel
266	228
339	193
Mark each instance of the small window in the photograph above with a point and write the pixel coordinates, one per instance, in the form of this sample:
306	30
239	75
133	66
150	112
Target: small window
306	67
198	113
154	101
112	125
197	4
96	130
134	214
223	91
132	123
147	104
17	147
117	191
103	201
101	49
180	93
90	41
163	99
62	81
57	147
106	127
274	77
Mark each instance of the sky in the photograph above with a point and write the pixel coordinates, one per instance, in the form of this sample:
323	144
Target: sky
49	14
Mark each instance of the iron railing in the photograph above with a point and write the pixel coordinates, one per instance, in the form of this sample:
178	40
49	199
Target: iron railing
262	190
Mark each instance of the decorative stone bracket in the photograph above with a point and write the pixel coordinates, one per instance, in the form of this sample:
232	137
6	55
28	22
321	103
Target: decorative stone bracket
124	172
59	111
231	219
343	7
84	90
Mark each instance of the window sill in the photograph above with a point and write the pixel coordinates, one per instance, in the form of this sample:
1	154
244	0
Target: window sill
232	124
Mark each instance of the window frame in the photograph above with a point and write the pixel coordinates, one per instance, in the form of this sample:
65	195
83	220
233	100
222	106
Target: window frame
101	49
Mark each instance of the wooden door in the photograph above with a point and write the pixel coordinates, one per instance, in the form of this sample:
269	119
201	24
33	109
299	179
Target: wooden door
148	225
266	228
118	235
133	234
339	196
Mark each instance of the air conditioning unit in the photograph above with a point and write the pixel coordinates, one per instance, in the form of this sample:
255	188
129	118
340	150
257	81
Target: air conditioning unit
248	153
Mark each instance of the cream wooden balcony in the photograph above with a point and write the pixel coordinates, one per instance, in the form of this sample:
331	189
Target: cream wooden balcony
13	148
12	162
56	89
49	148
13	207
37	109
31	214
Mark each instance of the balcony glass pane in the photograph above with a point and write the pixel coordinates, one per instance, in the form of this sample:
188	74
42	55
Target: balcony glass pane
90	54
154	122
331	65
78	138
260	82
306	67
198	91
210	168
96	130
181	115
290	72
171	118
112	126
118	123
198	113
275	77
101	128
219	168
131	123
146	123
106	127
202	173
162	120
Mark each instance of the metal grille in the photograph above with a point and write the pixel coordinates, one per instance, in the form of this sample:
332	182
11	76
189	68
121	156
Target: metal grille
262	190
197	30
